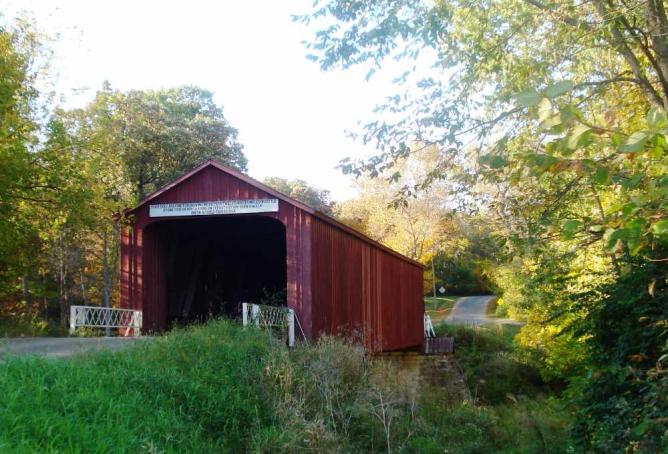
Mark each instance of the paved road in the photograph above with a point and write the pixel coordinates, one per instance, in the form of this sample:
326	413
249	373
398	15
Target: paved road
58	347
470	310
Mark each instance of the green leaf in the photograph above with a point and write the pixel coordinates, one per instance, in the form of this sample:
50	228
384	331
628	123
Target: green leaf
635	227
544	109
629	209
660	228
569	112
657	119
497	162
558	89
635	143
528	98
602	175
635	245
632	182
616	237
576	134
551	122
569	227
541	160
493	161
641	428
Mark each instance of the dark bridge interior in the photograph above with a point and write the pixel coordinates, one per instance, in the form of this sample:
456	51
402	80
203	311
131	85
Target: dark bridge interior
214	264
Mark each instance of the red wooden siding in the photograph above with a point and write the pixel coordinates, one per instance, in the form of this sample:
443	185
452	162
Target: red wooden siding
360	288
337	279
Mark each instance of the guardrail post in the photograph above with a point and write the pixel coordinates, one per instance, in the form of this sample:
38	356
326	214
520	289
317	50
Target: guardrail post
291	328
73	319
428	327
244	313
138	321
255	314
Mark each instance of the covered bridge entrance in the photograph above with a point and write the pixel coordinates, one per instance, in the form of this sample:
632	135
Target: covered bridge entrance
214	238
212	264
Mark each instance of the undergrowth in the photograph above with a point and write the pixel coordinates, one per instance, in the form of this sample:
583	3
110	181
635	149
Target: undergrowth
495	370
219	388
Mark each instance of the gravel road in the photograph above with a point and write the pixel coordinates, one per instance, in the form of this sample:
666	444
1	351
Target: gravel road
57	347
471	310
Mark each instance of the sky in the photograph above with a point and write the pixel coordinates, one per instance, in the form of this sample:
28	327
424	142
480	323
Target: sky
290	115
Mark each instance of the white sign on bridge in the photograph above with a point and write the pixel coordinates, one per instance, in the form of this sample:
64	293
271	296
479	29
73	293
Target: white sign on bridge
214	207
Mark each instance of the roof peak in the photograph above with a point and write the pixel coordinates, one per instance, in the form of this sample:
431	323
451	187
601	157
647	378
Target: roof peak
228	170
271	191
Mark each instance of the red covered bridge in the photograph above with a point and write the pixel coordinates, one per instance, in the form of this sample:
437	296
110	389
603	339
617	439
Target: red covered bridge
215	237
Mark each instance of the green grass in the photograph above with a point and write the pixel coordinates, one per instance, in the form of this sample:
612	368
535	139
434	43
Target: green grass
439	307
439	302
193	390
219	388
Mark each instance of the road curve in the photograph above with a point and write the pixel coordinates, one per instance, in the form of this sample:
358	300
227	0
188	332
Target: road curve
470	310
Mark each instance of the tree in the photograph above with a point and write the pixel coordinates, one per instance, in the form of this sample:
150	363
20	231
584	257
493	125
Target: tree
512	74
426	226
552	117
18	178
412	226
300	190
63	182
159	134
486	53
24	174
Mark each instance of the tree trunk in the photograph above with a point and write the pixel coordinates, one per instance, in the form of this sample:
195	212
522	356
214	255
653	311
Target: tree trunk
658	31
433	277
63	284
621	44
83	287
27	296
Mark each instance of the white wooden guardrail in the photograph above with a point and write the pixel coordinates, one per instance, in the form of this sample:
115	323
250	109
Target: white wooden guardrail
106	317
428	327
268	317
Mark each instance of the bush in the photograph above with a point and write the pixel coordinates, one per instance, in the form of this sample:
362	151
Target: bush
335	399
623	398
495	370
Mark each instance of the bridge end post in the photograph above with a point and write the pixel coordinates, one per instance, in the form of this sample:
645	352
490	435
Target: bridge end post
73	320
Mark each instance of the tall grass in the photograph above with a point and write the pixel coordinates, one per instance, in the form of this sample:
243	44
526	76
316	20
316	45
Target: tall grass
219	388
196	390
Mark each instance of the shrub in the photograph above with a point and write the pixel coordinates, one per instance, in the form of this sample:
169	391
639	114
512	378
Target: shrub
494	369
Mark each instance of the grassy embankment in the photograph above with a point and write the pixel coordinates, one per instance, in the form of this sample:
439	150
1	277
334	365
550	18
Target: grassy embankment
439	307
219	388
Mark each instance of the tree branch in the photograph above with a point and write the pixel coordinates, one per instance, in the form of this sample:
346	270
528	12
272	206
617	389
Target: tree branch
623	48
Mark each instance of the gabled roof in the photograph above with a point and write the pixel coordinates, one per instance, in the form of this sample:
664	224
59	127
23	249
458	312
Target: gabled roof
279	195
229	171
